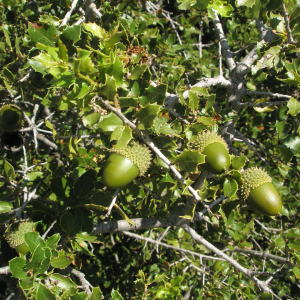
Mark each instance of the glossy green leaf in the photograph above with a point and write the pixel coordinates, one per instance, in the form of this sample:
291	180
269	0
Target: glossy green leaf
294	106
84	184
110	122
33	240
238	162
62	260
16	266
63	282
43	293
5	207
146	115
9	170
230	187
188	160
115	295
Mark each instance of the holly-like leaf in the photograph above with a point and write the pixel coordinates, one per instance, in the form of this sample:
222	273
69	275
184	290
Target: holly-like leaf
110	122
43	293
294	106
45	34
16	266
63	282
34	240
122	135
239	162
154	95
95	30
5	207
109	89
230	187
9	170
146	115
188	160
62	260
84	184
115	295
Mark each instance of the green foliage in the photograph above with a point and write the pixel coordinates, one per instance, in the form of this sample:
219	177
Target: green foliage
139	73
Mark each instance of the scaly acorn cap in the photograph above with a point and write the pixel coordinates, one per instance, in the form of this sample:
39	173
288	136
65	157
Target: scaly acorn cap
204	139
11	118
139	155
14	234
252	178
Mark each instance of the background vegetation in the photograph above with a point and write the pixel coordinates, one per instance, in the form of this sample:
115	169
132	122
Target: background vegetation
94	74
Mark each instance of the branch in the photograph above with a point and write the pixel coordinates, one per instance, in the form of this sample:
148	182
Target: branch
261	284
139	237
222	38
287	24
268	94
85	284
262	254
5	271
149	223
263	104
209	82
265	34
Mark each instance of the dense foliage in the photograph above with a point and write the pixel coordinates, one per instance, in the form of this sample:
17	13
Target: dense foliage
91	77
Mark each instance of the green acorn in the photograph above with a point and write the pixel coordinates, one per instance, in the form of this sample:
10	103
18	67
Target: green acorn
215	149
125	164
15	236
11	118
260	193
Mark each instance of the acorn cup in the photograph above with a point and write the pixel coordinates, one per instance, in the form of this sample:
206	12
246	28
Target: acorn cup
12	141
214	147
259	192
125	164
11	118
15	236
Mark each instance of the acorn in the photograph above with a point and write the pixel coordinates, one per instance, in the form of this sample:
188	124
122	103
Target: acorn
11	118
125	164
215	149
15	236
259	192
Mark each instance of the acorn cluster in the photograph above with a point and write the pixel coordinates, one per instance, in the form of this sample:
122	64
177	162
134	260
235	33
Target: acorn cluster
256	188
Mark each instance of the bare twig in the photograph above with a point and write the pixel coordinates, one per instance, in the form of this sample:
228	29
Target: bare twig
68	14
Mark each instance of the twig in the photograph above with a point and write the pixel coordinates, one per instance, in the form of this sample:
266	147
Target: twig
85	284
222	39
287	24
68	14
268	94
263	104
112	203
47	231
262	254
139	237
147	189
